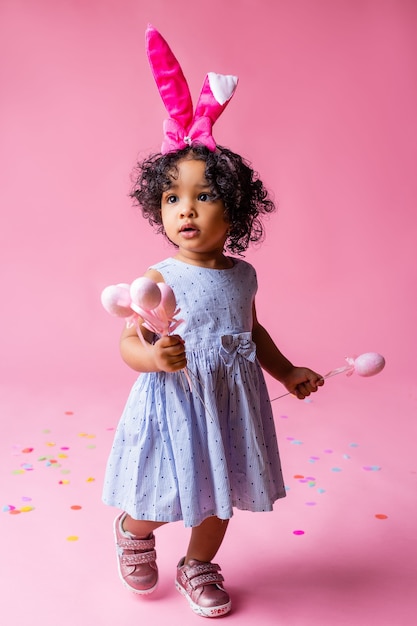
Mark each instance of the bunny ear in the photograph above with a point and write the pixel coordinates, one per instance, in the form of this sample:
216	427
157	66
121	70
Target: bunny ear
169	78
216	93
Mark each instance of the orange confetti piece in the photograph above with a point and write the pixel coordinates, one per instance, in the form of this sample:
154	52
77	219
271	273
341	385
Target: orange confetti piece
76	507
381	516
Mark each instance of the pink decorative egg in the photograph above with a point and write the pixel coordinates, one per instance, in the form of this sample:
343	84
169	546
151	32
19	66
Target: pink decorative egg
145	293
369	364
168	302
116	300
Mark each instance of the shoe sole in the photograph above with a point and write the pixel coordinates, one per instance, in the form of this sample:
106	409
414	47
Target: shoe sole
140	592
204	611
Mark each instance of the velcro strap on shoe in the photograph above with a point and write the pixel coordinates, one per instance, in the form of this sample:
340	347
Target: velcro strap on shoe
202	568
212	578
139	558
136	544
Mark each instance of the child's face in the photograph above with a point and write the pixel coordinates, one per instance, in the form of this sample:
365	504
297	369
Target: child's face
192	217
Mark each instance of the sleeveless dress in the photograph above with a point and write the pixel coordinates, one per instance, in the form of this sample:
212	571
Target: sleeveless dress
188	451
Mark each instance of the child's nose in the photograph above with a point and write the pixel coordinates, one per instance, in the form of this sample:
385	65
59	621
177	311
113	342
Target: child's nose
187	209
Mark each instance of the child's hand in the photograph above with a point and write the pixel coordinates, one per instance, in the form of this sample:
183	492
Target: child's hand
301	382
169	353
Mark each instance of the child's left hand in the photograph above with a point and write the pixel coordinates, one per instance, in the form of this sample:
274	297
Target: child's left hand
302	381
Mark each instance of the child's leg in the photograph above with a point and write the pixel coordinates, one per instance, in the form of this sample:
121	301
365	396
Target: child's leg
206	539
140	528
136	554
200	580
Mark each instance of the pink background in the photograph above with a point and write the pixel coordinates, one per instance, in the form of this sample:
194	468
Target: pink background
325	111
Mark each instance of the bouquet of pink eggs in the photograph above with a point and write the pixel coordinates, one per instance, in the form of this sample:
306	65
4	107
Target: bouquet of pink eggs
154	302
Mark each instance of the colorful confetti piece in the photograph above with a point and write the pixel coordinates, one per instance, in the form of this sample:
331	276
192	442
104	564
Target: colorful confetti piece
26	509
72	538
381	516
298	532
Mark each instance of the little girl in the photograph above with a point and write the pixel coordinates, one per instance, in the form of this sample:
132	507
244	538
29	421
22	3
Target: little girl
194	452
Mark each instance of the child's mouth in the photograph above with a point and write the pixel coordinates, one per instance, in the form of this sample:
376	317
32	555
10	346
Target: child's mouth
188	232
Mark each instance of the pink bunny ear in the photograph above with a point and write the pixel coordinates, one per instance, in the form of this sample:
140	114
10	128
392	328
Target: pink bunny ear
182	128
169	78
215	95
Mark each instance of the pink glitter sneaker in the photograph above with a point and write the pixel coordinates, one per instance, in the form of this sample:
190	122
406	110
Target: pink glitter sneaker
201	584
136	559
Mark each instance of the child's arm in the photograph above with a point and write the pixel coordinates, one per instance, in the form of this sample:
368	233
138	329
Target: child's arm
300	381
167	354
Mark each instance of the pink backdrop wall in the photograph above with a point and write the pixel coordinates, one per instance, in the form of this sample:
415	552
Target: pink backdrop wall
325	110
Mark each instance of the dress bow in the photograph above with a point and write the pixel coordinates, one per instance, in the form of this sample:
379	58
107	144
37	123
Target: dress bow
237	344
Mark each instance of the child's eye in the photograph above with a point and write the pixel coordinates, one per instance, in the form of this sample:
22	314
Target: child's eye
204	197
171	198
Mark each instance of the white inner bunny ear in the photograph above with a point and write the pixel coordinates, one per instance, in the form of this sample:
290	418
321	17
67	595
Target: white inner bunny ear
222	86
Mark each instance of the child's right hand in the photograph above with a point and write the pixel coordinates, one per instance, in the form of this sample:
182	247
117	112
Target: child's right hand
169	353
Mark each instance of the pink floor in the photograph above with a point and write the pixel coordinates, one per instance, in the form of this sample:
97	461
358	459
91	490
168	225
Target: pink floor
339	550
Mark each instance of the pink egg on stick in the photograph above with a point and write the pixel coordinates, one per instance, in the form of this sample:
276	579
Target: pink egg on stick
116	300
367	364
168	301
145	293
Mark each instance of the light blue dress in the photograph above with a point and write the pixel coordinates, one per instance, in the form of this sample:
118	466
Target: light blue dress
186	453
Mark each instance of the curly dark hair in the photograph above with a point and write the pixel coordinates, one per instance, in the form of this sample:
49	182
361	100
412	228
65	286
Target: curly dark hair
230	177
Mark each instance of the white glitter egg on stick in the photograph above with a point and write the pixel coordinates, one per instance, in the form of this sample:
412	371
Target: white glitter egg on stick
145	293
369	364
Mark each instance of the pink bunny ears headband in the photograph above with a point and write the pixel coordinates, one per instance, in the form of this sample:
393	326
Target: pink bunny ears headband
185	127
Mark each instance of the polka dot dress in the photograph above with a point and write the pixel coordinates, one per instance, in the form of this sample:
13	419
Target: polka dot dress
193	445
